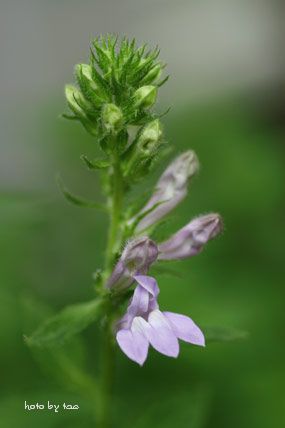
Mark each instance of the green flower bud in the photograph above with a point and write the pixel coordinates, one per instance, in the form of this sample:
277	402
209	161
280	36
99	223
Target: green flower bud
112	117
143	150
153	74
84	73
75	100
89	87
150	137
145	96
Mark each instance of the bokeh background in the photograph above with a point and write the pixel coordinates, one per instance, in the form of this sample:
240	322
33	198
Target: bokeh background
226	93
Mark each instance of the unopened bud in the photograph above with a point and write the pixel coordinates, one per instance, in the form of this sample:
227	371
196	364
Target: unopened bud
75	100
171	189
136	259
112	117
150	137
190	240
84	75
153	74
145	96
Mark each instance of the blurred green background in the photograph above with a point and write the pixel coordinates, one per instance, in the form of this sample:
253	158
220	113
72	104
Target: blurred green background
227	103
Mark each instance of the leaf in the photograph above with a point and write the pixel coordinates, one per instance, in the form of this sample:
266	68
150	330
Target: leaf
65	364
75	200
224	334
162	82
96	163
70	321
68	116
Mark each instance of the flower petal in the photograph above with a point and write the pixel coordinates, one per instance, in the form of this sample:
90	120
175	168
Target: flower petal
160	334
133	344
190	240
139	303
148	283
170	189
136	258
185	329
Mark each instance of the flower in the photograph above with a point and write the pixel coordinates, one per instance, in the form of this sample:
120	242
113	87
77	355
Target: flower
190	240
144	324
136	259
170	190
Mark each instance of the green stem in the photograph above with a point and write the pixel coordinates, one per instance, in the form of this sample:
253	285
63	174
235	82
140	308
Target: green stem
113	244
115	213
107	377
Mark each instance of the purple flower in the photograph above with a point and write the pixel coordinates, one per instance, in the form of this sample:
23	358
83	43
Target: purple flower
190	240
170	190
144	324
136	259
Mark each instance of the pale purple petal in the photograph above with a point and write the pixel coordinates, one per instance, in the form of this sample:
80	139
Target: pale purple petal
167	201
139	303
119	277
185	329
133	344
136	258
160	335
191	239
149	283
124	323
170	189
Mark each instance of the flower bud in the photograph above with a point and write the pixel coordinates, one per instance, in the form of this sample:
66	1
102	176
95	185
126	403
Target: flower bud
143	150
84	70
190	240
76	100
153	74
145	96
112	117
170	189
84	75
150	137
136	259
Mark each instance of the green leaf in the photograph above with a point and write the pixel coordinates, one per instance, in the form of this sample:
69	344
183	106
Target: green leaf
68	116
163	81
96	163
224	334
70	321
67	364
75	200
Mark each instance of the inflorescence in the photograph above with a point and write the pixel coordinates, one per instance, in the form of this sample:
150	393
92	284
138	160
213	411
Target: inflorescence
114	102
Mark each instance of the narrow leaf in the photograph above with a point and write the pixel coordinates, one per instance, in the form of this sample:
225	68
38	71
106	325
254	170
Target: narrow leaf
159	84
67	323
68	116
96	163
75	200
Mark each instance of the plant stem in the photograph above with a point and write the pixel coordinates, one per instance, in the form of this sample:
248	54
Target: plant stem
113	244
107	377
116	207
